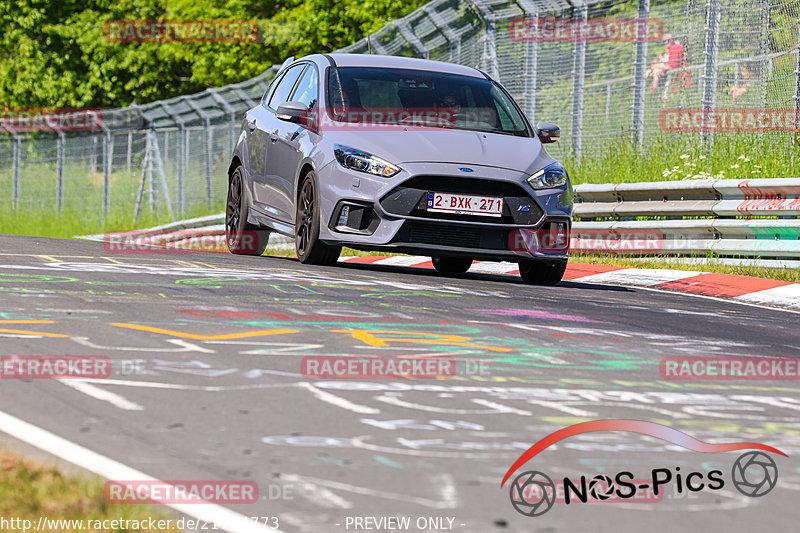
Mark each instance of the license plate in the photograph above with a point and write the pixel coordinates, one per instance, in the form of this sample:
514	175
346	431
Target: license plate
465	204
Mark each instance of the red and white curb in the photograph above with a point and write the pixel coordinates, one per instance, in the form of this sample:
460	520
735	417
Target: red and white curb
739	288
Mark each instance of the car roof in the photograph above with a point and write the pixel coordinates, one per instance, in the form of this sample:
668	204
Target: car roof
378	61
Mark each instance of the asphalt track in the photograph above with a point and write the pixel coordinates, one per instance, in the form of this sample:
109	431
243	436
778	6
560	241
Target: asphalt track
207	385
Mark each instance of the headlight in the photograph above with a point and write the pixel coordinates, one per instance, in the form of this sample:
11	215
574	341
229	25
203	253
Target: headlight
363	162
553	175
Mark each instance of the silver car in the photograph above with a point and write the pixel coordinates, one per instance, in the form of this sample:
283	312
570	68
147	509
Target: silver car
400	155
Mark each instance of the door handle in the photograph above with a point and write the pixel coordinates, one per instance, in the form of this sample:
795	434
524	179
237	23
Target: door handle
252	125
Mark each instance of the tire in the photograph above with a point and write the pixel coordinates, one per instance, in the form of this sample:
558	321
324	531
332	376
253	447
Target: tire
451	265
241	237
542	272
310	249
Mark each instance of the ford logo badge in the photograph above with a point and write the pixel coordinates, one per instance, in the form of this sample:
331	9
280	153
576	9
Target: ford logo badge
466	169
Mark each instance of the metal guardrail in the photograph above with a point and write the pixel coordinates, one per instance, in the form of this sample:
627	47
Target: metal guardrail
734	218
757	219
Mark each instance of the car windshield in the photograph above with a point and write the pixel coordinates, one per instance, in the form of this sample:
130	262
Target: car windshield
421	98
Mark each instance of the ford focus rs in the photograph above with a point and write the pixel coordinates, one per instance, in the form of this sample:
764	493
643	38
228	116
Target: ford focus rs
402	155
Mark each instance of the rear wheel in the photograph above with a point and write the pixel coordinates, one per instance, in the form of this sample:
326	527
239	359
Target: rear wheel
241	237
542	272
451	265
310	249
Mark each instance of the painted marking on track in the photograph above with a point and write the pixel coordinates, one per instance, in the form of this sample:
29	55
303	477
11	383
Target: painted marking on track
103	395
112	260
175	386
338	401
494	408
367	336
31	333
108	468
321	495
207	265
182	346
193	336
27	322
49	258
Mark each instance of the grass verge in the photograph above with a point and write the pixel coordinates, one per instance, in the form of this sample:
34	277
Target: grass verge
29	491
684	157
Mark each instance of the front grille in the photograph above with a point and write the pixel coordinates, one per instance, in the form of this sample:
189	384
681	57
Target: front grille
414	232
464	185
410	199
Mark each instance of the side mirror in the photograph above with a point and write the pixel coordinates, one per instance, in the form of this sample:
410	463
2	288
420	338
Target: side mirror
292	112
548	132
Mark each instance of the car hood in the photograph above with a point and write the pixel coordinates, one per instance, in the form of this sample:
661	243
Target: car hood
414	145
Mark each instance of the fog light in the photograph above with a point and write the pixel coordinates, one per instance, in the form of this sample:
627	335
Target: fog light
344	215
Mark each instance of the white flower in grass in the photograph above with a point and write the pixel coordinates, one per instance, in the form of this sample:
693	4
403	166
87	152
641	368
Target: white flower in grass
743	158
685	156
735	166
701	157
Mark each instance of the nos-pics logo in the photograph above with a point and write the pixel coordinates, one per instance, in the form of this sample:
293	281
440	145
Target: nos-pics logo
533	493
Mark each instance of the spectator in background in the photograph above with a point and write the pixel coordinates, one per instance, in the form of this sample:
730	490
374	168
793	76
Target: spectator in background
676	54
677	62
749	71
658	69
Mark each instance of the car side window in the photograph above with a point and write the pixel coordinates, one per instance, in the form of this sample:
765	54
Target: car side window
307	90
284	88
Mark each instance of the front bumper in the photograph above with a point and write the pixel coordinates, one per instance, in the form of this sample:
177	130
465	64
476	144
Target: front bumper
389	214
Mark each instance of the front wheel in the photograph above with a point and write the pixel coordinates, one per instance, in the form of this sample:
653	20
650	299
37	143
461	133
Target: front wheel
451	265
310	249
241	237
542	272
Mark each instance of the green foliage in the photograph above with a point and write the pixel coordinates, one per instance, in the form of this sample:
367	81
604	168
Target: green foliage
55	54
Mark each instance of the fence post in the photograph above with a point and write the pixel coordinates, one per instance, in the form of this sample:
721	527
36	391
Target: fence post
152	139
108	153
60	172
489	56
797	92
17	155
711	51
128	155
639	74
452	38
92	159
207	134
180	155
578	81
411	38
232	124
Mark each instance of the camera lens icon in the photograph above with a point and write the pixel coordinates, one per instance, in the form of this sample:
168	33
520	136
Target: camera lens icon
532	493
754	474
